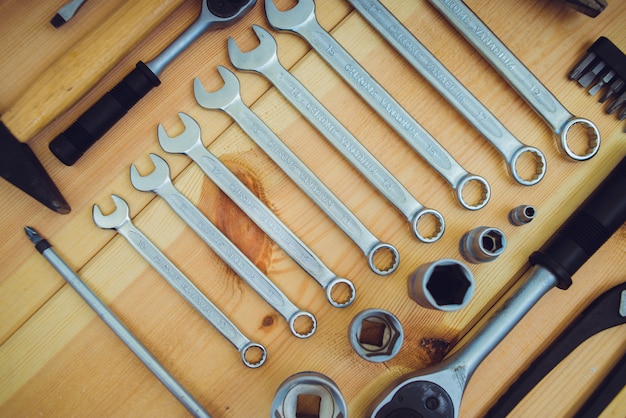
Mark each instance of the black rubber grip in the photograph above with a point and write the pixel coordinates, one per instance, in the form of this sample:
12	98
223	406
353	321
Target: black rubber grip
597	218
70	145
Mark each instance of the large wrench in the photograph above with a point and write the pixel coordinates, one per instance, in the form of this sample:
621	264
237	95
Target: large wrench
190	144
437	390
229	100
70	145
264	60
453	90
301	19
159	182
120	221
519	77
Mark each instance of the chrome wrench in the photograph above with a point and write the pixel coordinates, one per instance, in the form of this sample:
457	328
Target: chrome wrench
190	144
485	122
120	221
160	183
519	77
301	19
71	144
264	60
228	99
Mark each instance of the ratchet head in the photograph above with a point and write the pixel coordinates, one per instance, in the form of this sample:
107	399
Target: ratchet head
186	141
224	13
114	220
221	98
157	178
265	53
291	19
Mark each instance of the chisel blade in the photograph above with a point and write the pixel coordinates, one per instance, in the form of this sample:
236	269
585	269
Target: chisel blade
20	167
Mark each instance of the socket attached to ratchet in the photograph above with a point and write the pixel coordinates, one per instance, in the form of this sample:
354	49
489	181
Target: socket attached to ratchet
302	20
560	120
383	258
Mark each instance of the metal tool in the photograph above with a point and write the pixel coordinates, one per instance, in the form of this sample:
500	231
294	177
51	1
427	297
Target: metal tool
591	8
252	354
97	120
66	12
190	144
61	85
520	78
453	91
482	244
301	19
376	335
229	100
437	390
522	214
445	285
113	322
309	394
264	60
606	311
604	64
159	182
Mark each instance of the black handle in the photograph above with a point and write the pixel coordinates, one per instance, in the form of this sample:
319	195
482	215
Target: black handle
597	218
70	145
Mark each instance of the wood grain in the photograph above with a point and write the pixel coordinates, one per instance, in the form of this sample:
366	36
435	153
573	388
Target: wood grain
57	358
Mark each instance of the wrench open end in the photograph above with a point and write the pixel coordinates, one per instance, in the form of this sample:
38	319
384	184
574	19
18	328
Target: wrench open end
473	192
383	259
152	181
188	139
569	139
527	166
340	292
290	19
219	99
257	58
428	225
114	220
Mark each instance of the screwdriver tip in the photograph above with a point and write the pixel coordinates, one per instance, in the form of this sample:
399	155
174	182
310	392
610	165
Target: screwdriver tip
58	21
32	235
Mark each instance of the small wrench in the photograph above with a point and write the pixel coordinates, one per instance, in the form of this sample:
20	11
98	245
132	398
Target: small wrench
120	221
229	100
70	145
301	19
159	182
190	144
519	77
264	60
452	90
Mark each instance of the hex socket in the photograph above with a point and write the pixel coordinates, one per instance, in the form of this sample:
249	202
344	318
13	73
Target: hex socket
522	215
445	285
482	244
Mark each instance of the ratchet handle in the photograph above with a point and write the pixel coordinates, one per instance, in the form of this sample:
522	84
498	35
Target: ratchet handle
71	144
584	232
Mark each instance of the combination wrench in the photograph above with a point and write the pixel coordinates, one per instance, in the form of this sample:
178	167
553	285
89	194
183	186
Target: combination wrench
520	78
485	122
437	391
190	144
228	99
252	354
301	19
264	60
160	183
71	144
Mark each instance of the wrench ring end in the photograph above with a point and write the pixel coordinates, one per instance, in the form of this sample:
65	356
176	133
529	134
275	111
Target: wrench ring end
540	166
392	265
249	351
593	137
485	192
439	227
310	328
342	302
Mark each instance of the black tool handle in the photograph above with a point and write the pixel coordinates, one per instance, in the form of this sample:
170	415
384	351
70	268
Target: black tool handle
608	389
70	145
584	232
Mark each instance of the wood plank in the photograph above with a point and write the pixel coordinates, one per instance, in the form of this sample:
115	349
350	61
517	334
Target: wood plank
57	358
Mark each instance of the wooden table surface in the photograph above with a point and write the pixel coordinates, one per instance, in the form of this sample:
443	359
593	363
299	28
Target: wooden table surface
57	358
